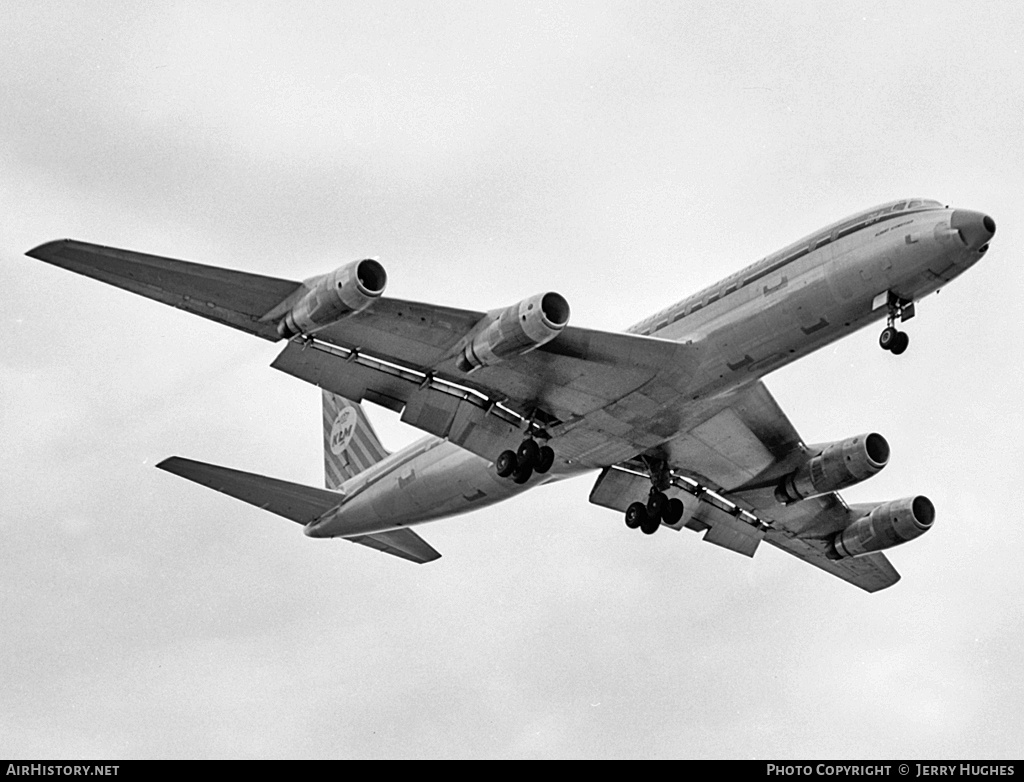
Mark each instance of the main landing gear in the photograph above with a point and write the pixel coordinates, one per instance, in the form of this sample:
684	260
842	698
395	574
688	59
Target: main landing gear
520	464
659	506
892	339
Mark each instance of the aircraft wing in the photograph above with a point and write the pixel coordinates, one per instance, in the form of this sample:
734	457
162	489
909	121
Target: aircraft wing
740	450
234	298
757	425
870	572
614	379
302	504
580	371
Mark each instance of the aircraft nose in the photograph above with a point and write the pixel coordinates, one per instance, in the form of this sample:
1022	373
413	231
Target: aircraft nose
975	228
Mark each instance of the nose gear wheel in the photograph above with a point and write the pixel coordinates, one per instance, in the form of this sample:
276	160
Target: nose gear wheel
891	338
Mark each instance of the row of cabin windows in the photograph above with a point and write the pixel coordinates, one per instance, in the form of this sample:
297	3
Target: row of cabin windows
764	267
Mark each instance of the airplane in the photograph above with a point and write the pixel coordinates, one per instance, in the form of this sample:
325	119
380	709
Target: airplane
672	415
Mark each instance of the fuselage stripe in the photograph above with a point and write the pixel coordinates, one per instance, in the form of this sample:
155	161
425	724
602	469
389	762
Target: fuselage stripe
769	265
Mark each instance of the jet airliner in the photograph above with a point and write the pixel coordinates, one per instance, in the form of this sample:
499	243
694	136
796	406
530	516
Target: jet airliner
672	416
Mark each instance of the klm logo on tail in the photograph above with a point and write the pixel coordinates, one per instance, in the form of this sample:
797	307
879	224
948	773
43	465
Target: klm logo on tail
342	430
350	444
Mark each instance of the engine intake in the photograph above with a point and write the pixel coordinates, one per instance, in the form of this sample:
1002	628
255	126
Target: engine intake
837	465
331	297
515	330
888	525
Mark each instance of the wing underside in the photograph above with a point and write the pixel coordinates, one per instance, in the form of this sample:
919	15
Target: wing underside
870	572
729	463
234	298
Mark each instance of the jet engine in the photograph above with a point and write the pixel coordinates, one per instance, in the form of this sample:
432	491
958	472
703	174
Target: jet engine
331	297
888	525
516	330
837	465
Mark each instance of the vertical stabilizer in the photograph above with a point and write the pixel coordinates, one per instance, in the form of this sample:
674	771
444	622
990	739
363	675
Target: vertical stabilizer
350	444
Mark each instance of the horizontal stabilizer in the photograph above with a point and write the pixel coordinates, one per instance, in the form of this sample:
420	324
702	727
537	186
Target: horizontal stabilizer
234	298
291	500
402	543
294	501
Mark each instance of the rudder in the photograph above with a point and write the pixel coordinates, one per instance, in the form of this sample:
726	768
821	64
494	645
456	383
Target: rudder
350	444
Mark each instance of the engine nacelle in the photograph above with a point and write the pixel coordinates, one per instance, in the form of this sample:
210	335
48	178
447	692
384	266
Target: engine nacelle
516	330
837	466
345	291
888	525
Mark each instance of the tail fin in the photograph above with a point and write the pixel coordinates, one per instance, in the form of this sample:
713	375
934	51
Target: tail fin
350	444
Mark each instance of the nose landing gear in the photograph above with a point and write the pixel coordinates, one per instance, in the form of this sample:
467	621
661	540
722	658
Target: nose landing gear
891	338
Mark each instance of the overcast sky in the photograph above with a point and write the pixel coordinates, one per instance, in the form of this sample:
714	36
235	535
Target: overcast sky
624	154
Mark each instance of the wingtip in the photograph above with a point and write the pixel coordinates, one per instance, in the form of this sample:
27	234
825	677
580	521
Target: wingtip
44	250
169	463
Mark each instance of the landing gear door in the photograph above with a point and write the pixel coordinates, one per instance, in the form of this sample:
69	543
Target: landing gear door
617	489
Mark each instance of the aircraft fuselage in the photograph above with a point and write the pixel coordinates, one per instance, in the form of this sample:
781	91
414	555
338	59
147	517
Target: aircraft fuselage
801	298
814	291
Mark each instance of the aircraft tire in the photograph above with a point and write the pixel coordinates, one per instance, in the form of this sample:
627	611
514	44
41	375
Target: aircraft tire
636	514
900	343
506	464
673	511
887	338
656	505
522	474
545	459
650	525
528	453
